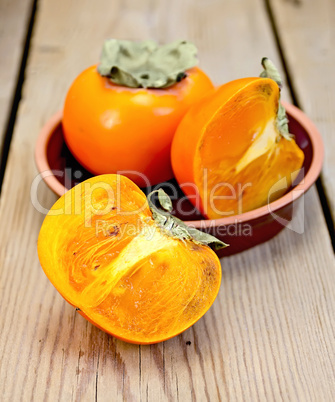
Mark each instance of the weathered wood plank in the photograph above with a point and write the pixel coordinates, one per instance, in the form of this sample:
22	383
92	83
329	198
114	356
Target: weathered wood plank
307	32
269	334
14	19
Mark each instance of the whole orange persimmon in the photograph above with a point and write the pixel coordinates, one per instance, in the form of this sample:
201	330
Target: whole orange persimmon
121	115
129	267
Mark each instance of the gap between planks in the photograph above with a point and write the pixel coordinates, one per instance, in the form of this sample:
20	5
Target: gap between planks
12	112
322	193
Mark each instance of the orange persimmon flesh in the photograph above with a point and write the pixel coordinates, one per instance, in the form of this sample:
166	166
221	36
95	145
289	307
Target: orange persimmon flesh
228	155
102	250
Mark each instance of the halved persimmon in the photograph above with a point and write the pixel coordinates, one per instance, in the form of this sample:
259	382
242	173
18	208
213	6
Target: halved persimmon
232	151
135	272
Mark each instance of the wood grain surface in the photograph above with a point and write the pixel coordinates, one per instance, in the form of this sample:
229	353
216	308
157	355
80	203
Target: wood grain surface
269	335
307	33
14	17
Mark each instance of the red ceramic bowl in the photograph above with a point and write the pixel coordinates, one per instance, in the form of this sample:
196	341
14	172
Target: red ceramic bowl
61	171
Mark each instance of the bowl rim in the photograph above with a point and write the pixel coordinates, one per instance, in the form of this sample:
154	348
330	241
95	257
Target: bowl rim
41	159
295	193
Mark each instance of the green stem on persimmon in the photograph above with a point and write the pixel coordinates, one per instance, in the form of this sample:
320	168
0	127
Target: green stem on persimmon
270	71
176	227
146	64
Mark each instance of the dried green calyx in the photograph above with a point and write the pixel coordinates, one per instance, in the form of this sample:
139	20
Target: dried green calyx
146	64
177	227
270	71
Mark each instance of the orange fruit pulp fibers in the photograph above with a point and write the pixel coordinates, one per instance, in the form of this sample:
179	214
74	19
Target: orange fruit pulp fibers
228	155
104	253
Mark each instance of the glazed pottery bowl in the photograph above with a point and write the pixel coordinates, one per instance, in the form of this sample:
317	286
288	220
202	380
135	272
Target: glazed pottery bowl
61	171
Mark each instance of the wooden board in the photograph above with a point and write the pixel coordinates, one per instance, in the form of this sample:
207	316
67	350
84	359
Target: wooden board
307	32
269	334
14	19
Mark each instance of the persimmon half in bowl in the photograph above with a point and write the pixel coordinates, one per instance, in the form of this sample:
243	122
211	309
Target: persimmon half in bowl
60	171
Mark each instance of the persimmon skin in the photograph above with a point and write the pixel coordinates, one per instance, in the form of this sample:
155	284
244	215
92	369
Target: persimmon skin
217	133
139	289
111	128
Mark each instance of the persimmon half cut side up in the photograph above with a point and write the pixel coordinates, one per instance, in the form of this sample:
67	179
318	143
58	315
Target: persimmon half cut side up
105	253
228	153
